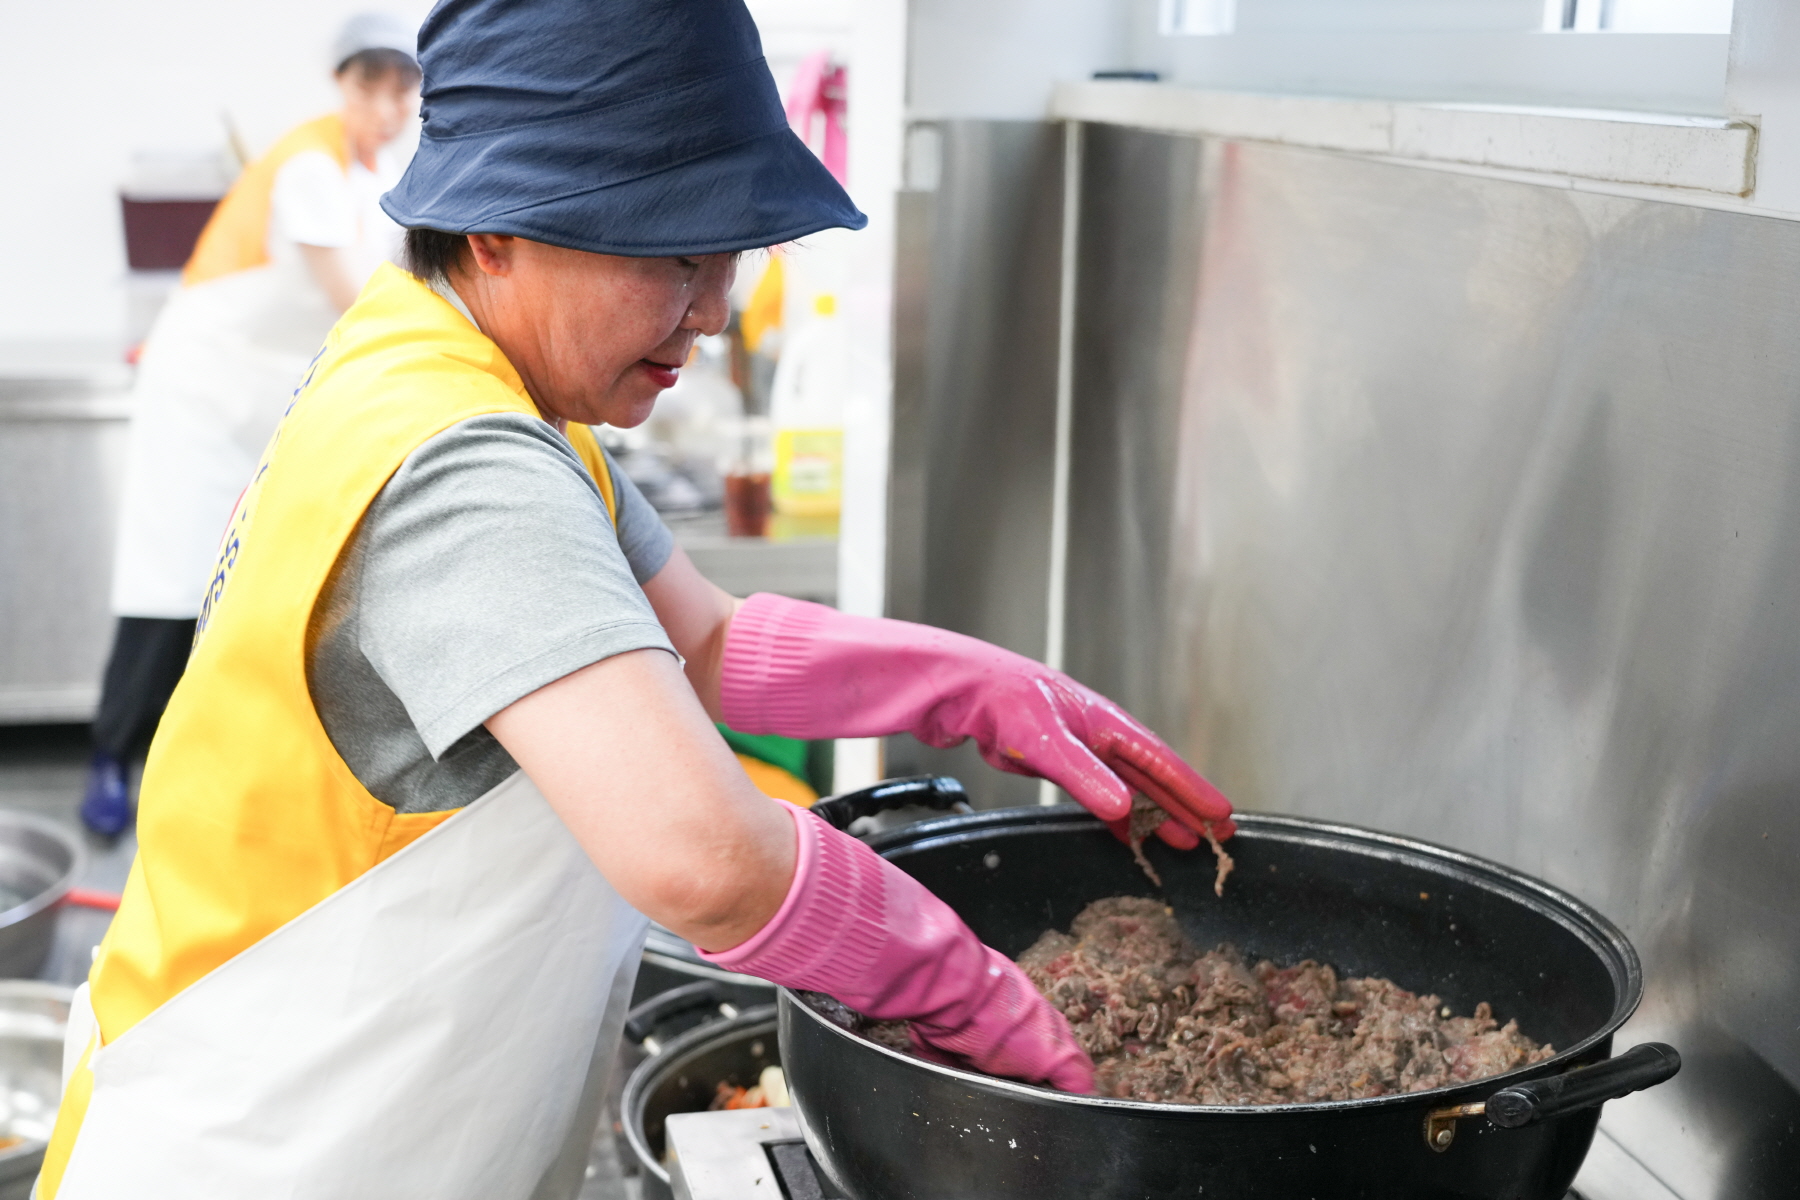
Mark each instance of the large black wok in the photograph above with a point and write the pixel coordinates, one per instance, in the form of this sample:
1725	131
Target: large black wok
886	1126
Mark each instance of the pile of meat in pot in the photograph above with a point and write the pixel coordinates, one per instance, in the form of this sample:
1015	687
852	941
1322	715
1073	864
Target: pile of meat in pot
1164	1022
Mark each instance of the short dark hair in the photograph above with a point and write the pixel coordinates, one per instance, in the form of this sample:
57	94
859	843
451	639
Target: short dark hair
381	62
431	254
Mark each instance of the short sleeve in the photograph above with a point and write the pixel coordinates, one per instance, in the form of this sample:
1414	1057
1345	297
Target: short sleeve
489	569
646	541
312	203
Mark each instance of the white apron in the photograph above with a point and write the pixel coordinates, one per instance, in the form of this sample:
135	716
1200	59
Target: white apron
441	1028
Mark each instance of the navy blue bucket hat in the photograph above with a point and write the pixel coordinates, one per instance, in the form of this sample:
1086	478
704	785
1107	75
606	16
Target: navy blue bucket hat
633	127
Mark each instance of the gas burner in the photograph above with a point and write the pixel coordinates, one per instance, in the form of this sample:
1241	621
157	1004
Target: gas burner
750	1154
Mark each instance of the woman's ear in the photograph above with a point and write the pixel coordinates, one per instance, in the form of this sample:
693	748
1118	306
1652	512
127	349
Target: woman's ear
493	252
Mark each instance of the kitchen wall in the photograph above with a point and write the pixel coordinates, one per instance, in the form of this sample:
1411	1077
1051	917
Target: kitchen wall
974	405
1494	52
1485	517
1460	507
998	59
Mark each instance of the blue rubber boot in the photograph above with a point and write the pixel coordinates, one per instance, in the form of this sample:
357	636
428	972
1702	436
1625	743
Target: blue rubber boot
105	807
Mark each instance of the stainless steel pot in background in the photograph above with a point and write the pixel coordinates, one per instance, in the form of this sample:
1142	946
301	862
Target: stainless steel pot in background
33	1016
40	861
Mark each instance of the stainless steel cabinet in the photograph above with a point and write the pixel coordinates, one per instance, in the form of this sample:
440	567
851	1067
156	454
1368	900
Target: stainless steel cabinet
1459	507
62	450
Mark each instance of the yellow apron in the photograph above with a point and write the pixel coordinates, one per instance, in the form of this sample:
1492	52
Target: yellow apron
236	236
305	993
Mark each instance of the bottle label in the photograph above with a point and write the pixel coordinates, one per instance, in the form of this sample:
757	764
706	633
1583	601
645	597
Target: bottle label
809	471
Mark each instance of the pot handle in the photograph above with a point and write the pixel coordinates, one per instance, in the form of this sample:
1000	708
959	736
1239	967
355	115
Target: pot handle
1559	1095
928	791
641	1022
1585	1087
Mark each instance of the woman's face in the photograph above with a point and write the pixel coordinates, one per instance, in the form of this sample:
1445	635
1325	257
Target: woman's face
596	337
377	109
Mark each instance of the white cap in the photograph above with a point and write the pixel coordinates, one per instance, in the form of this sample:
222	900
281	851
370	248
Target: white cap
373	31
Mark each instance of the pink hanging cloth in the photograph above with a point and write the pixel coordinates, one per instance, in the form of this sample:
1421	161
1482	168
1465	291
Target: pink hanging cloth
818	91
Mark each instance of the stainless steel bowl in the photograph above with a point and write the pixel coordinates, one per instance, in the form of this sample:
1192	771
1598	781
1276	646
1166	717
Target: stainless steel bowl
39	862
32	1018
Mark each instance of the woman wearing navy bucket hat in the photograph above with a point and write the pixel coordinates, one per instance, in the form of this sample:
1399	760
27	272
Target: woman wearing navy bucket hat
446	740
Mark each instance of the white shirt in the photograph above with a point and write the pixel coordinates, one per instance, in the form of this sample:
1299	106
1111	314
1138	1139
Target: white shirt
218	370
279	306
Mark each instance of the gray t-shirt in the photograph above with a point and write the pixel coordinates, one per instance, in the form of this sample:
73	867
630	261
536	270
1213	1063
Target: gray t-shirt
485	569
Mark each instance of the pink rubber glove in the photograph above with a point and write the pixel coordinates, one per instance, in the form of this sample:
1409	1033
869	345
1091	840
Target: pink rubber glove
856	927
807	671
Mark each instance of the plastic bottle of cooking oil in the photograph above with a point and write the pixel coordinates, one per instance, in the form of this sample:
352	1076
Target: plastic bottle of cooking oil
806	408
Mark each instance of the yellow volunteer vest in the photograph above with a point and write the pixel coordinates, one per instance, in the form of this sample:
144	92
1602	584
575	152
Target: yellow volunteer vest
247	815
236	237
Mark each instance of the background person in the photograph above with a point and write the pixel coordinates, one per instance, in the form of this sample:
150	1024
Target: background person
283	256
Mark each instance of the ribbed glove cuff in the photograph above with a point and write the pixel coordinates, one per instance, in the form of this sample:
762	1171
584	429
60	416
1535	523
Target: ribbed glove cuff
763	685
830	929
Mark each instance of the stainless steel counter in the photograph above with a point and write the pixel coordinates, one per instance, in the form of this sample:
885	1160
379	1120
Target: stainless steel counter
805	569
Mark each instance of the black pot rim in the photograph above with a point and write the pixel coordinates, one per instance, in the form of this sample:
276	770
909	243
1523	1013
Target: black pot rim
1603	937
650	1072
674	953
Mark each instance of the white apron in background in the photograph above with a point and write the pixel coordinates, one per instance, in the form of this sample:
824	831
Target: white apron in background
442	1028
205	403
218	369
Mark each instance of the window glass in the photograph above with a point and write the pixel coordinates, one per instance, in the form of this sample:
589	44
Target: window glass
1638	16
1203	18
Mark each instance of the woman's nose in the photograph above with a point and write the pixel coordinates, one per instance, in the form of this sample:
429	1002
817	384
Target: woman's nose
710	310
